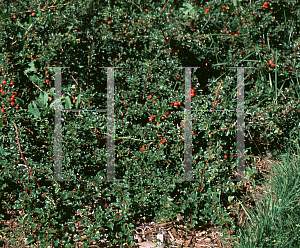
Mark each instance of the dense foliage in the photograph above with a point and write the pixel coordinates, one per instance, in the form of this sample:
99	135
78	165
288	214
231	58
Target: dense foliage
148	42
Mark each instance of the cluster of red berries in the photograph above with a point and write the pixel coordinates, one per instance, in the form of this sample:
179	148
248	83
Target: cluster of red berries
193	93
163	141
265	5
150	96
271	63
11	99
175	104
151	118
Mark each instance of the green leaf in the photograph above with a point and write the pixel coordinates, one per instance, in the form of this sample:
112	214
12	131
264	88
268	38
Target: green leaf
52	92
50	19
111	225
70	27
230	198
235	3
31	64
2	152
31	68
46	97
39	11
40	104
29	27
20	25
43	99
68	104
189	6
78	101
34	110
20	102
34	78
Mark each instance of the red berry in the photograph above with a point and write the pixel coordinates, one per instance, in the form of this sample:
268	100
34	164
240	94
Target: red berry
182	124
176	103
46	72
244	24
143	148
3	92
2	110
47	80
225	156
4	82
11	83
17	107
3	73
162	117
192	95
157	124
154	102
12	103
3	105
15	92
32	14
150	96
109	22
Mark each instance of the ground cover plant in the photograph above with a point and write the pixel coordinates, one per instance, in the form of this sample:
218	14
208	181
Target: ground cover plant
147	42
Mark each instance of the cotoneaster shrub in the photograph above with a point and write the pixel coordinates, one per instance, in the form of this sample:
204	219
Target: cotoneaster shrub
149	41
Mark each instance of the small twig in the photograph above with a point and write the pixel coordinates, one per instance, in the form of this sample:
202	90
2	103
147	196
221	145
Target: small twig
29	169
34	83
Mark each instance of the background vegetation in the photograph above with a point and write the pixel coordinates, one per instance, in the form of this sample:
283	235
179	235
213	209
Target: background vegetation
149	41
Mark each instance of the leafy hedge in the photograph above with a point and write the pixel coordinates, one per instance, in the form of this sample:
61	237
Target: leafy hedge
147	42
